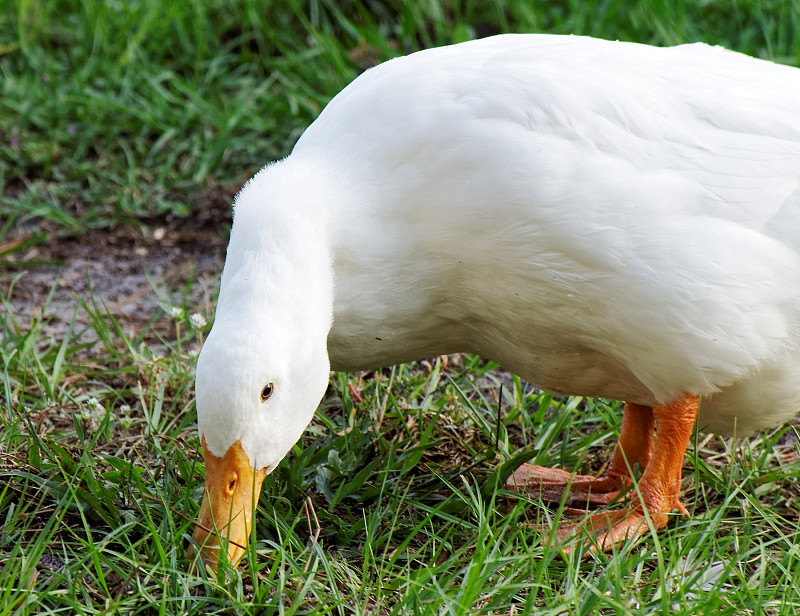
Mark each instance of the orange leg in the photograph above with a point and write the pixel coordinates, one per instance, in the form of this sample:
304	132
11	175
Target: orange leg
659	486
634	447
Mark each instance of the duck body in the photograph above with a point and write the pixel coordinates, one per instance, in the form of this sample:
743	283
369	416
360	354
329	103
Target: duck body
604	219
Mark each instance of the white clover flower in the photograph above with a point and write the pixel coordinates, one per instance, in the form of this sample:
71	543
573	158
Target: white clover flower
125	417
177	313
92	410
197	320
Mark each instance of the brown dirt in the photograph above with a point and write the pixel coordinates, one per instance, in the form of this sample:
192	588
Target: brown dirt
134	271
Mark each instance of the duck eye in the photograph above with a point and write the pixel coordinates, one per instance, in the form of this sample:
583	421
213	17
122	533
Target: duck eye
267	391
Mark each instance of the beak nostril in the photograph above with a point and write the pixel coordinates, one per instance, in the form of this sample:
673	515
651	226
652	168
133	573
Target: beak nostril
232	484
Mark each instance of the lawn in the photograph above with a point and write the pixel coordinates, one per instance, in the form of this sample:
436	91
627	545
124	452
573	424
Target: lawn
125	129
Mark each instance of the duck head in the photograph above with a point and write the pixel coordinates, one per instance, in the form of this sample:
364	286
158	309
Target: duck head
250	414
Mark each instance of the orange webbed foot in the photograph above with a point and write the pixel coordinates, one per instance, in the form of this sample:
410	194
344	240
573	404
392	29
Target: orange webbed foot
657	490
553	485
603	530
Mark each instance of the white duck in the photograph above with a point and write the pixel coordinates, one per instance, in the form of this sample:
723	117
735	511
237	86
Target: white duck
603	218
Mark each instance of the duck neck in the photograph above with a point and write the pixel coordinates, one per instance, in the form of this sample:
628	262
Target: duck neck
280	248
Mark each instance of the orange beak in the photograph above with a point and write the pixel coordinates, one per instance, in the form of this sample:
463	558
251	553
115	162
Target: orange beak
226	515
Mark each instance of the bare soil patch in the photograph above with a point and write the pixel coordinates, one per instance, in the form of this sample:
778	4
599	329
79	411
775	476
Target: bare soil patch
132	271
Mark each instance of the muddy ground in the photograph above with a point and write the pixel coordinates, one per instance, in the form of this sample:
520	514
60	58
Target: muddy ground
135	271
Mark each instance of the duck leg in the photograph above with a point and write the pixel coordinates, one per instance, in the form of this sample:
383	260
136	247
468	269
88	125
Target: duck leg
633	447
659	487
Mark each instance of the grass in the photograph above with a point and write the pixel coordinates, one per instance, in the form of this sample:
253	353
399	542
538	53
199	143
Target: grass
131	113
